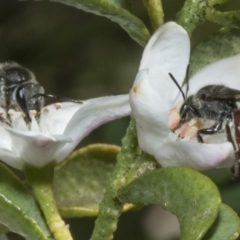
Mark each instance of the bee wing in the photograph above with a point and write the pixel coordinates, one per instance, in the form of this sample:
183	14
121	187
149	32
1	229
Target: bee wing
224	94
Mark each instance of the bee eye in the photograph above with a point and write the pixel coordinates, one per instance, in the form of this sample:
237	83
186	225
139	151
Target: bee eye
20	98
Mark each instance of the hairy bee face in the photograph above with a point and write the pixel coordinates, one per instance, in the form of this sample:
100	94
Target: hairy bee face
19	89
189	110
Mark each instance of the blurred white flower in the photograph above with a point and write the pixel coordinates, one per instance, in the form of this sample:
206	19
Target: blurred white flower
154	96
57	132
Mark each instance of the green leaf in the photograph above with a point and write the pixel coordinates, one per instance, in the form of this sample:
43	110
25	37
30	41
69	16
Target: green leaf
226	226
122	3
188	194
3	229
19	211
111	9
217	2
194	13
223	43
80	180
227	19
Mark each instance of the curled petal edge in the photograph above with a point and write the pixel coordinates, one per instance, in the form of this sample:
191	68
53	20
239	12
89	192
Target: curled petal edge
34	148
91	115
196	155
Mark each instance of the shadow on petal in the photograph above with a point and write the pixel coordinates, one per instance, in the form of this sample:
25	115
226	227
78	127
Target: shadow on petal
196	155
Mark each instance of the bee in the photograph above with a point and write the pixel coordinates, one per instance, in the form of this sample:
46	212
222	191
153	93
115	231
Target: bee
19	90
217	103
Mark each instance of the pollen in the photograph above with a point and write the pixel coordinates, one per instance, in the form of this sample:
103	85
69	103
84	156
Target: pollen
188	131
174	116
45	110
191	128
32	113
14	114
57	105
174	119
3	113
135	89
193	122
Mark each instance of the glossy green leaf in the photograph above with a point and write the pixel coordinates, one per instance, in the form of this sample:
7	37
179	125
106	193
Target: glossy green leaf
111	9
188	194
226	226
223	43
80	181
19	211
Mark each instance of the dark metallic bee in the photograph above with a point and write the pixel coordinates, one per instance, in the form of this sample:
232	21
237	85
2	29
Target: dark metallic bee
217	103
213	102
19	90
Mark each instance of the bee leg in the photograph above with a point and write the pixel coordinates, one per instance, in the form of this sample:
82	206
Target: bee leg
7	104
199	137
235	167
209	131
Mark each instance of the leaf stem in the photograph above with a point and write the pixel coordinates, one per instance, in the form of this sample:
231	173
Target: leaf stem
192	15
40	179
110	208
155	12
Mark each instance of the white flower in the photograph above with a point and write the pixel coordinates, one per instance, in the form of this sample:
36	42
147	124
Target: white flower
154	94
60	128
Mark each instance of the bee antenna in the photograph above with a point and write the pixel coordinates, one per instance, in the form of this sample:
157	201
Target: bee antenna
187	79
180	89
56	97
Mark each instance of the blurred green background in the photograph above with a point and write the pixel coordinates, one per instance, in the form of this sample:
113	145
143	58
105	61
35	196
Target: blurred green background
79	55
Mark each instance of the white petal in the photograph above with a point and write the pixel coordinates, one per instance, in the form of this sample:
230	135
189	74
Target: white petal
55	117
8	152
167	52
151	118
225	71
34	148
17	120
92	114
5	139
34	126
196	155
153	92
11	158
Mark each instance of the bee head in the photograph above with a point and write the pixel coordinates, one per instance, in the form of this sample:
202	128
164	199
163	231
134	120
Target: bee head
12	74
15	75
188	110
26	99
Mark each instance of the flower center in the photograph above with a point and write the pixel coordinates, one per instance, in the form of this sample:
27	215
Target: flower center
189	130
